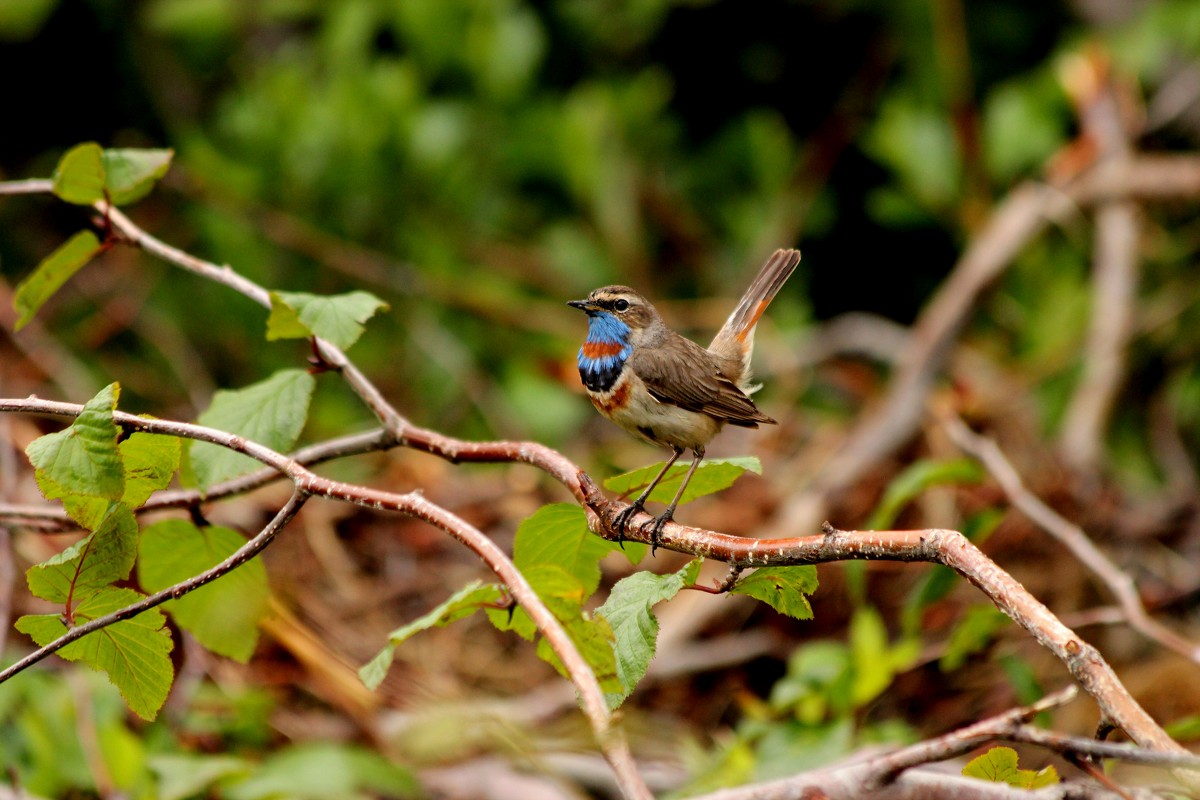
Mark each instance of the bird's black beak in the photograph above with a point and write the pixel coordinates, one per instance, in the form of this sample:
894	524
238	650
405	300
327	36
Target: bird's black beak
582	305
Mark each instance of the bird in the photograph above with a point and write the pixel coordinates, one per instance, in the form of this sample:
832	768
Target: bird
666	389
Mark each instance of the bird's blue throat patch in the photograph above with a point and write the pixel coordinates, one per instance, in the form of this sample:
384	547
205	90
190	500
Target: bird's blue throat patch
604	352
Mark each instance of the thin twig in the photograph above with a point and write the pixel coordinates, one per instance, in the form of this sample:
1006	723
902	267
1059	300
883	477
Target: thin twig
240	556
896	774
28	186
53	519
964	740
946	547
1070	536
609	736
1023	214
1114	270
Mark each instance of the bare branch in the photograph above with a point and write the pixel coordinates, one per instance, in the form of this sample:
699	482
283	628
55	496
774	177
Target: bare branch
609	737
1070	536
240	556
29	186
893	775
1114	269
1023	214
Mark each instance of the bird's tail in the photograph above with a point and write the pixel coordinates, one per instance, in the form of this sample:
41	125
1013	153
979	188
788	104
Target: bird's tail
734	343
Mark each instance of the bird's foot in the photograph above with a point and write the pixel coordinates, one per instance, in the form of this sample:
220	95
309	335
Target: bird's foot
621	521
656	527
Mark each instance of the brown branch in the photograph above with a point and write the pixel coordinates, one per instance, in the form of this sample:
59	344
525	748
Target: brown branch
609	737
1017	220
894	775
53	519
946	547
1114	270
1071	536
240	556
964	740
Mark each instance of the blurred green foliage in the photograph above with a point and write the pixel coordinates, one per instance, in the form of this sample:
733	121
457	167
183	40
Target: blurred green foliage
476	163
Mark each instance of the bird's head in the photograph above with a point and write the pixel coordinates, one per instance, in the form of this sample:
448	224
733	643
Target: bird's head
617	308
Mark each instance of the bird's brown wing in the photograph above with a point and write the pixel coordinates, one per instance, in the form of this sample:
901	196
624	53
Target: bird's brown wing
684	374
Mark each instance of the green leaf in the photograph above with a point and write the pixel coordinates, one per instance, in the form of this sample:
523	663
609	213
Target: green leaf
558	534
79	177
150	460
53	271
184	775
917	478
713	475
222	615
324	771
594	639
463	603
271	412
338	319
134	653
972	634
564	595
937	581
999	765
82	459
628	610
870	655
96	561
782	588
129	175
560	591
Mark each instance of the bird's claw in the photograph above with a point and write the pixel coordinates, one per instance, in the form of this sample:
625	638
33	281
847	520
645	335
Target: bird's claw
621	521
656	526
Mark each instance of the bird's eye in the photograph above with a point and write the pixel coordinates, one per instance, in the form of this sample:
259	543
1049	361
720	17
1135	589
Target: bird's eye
621	305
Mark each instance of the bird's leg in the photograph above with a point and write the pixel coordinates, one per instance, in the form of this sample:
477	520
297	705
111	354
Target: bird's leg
662	519
623	517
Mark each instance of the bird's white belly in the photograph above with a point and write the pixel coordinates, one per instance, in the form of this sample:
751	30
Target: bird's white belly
630	405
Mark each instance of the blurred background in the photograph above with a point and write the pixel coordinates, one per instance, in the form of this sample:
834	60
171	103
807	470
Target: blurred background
476	163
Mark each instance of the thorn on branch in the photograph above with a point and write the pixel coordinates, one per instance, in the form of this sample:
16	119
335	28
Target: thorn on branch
505	603
735	572
317	361
198	518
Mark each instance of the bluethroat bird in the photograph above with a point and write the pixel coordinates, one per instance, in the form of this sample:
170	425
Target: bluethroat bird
666	389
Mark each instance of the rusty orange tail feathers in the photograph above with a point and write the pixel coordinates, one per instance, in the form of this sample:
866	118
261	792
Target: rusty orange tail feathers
735	340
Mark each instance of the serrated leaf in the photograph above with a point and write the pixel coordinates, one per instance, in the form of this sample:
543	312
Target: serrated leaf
915	479
782	588
558	534
134	653
271	412
96	561
129	175
594	639
79	176
51	273
564	594
712	476
463	603
560	591
338	319
222	615
999	765
83	459
150	461
628	610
